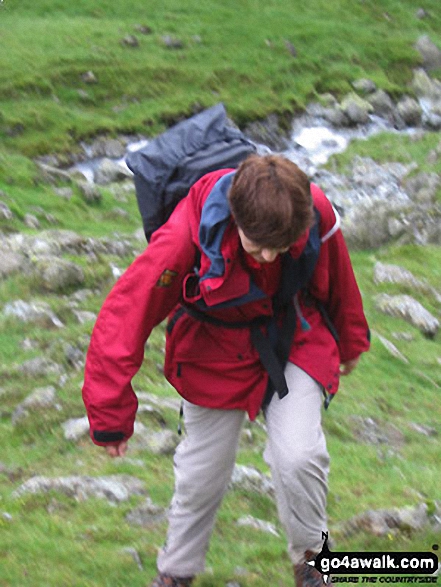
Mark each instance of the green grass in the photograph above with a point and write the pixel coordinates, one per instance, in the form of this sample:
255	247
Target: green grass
233	51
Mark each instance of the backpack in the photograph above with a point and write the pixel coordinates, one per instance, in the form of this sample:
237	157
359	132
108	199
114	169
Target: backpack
168	166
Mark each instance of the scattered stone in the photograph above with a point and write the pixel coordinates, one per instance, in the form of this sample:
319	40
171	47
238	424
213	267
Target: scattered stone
112	148
12	263
172	42
421	429
39	367
424	86
163	442
370	431
290	48
381	103
42	397
429	52
404	336
37	313
422	13
410	111
84	317
65	193
5	212
172	403
268	132
75	357
55	274
406	307
146	515
256	524
250	479
76	428
90	192
89	77
365	86
386	273
114	488
130	41
356	109
389	346
109	171
135	555
52	174
143	29
388	521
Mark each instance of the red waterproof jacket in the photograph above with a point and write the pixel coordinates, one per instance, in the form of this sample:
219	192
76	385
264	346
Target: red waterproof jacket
211	365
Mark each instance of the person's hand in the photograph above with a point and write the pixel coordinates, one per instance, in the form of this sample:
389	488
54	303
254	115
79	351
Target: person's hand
118	450
348	366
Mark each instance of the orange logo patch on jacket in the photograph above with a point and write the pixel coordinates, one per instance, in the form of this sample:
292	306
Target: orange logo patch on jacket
167	278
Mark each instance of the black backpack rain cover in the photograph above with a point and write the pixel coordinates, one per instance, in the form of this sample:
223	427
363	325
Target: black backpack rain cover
168	166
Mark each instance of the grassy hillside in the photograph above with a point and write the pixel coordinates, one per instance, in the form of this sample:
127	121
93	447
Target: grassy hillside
241	53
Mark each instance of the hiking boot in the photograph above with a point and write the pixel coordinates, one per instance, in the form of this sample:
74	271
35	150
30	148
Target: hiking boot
307	576
163	580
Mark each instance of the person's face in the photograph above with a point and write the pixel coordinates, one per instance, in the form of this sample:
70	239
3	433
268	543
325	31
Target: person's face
259	253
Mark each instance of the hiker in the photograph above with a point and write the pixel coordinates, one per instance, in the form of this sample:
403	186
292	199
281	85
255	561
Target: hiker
264	316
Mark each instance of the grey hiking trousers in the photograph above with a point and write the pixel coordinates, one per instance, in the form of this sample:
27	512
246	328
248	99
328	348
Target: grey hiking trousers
204	461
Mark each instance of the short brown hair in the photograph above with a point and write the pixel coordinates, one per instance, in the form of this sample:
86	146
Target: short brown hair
270	199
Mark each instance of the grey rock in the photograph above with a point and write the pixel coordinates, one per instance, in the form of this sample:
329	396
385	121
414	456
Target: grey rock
75	428
75	357
429	52
422	429
65	193
424	86
88	77
409	309
388	521
427	182
84	317
172	403
38	313
421	13
52	174
143	29
268	132
410	111
130	41
356	109
11	262
365	86
55	274
250	479
375	432
113	488
135	556
391	348
112	148
290	48
146	515
336	117
381	103
5	212
172	42
256	524
387	273
163	442
40	366
368	225
109	171
90	192
42	397
31	221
